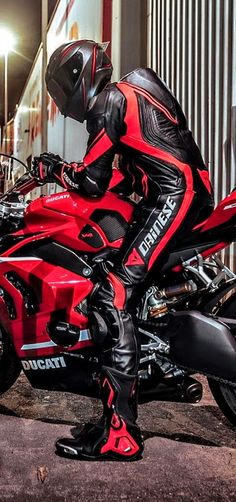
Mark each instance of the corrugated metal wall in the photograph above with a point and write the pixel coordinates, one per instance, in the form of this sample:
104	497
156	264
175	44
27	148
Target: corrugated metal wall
192	46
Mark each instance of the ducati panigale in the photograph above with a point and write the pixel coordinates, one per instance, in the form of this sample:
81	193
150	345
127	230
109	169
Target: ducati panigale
51	256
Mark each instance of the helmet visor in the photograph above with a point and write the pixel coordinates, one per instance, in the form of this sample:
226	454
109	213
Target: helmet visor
62	84
57	94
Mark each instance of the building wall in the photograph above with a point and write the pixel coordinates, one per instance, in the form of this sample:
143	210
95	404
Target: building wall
129	36
72	19
81	19
192	46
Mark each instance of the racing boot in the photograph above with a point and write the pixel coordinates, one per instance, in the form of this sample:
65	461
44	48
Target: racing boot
116	436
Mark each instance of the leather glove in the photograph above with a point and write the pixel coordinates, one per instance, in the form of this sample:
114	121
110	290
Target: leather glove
44	166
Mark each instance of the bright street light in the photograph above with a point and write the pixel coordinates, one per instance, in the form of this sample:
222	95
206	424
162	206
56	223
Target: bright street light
7	42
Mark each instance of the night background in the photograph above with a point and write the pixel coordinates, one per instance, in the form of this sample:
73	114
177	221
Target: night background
23	19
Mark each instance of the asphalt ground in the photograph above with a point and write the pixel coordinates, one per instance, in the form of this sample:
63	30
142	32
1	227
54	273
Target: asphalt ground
190	452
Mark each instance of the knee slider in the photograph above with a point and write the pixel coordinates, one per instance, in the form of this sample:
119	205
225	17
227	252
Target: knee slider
98	327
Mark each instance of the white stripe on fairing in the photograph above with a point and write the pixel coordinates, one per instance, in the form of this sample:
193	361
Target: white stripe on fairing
19	258
84	335
42	345
230	206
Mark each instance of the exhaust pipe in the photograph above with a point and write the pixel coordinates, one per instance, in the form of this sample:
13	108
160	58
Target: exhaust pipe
191	390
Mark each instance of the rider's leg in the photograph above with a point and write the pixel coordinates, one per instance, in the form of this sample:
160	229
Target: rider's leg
116	436
112	324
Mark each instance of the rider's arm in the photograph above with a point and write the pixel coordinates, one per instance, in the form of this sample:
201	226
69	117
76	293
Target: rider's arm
92	176
105	126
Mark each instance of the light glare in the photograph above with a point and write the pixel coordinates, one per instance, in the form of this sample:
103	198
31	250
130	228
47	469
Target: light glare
25	109
7	41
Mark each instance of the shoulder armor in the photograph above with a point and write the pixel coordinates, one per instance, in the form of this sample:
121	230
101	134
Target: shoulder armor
147	79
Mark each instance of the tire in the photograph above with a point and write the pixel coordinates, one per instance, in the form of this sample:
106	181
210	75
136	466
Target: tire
225	395
10	366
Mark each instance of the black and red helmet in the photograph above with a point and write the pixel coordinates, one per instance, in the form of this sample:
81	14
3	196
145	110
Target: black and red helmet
76	72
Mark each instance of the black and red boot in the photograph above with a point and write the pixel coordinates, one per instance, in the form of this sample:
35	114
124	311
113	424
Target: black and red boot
116	436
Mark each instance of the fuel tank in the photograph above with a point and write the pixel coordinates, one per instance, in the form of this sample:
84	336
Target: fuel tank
81	223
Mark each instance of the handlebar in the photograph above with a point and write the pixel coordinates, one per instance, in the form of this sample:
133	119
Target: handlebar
12	206
23	186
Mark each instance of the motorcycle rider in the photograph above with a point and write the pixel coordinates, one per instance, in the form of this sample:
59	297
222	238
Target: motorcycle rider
140	120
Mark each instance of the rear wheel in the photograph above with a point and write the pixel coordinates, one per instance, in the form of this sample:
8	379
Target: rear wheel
225	395
10	367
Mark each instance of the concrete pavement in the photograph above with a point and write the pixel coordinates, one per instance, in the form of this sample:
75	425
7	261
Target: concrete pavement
190	452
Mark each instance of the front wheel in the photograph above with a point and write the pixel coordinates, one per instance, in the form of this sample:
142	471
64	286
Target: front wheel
10	366
225	395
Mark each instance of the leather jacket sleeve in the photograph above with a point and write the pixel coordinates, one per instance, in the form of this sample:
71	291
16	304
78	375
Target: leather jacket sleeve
91	177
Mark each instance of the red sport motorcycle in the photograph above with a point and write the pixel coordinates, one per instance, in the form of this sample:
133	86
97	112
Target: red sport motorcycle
51	252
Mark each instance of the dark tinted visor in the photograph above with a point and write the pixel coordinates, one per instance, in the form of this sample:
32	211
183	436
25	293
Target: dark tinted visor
68	75
57	94
62	82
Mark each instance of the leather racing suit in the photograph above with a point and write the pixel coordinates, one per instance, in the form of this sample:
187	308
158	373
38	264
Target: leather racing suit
139	119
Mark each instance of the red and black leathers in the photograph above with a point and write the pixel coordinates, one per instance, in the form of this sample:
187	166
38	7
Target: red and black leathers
139	119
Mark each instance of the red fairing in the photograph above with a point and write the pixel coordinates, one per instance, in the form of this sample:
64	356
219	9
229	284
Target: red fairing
56	289
222	213
63	217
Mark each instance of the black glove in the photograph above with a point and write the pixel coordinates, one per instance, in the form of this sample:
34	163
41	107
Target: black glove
44	166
